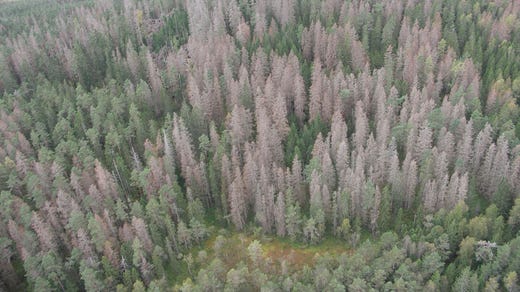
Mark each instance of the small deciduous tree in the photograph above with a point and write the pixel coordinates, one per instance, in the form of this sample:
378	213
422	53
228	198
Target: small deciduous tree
255	251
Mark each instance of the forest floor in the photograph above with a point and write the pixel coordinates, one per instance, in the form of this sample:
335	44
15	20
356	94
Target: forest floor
299	255
276	250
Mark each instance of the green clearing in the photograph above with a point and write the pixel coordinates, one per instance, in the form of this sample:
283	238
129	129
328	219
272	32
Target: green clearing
276	250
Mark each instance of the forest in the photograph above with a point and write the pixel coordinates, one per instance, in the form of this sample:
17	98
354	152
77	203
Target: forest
259	145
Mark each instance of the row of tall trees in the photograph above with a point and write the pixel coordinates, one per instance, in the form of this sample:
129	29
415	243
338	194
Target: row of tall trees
130	128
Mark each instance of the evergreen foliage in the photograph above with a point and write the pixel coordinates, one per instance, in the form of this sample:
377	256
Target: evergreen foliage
130	131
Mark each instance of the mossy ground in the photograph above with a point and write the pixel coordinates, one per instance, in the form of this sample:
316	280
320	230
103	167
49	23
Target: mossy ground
275	249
